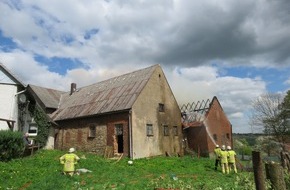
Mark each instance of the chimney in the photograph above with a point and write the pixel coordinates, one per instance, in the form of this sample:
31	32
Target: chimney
73	88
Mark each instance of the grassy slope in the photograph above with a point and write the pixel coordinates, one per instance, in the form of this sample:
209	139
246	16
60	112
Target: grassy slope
43	171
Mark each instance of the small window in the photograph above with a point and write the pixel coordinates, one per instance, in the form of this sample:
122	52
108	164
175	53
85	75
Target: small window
92	131
215	137
32	130
165	130
119	129
228	136
149	129
161	107
175	130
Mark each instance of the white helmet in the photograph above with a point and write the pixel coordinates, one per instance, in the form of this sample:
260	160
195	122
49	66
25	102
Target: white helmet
223	147
71	150
217	146
229	147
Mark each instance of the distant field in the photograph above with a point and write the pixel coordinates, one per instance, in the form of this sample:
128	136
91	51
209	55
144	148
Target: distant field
43	171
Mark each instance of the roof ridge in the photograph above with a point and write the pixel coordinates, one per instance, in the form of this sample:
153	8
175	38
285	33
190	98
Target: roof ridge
118	76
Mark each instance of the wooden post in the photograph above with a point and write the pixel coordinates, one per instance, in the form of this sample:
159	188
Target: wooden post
258	171
285	160
274	172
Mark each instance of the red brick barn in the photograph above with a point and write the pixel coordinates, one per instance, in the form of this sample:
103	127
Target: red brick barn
205	125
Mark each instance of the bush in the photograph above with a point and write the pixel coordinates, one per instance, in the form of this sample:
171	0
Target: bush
11	145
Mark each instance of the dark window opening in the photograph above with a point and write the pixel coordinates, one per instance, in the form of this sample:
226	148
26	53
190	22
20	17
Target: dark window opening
215	137
166	130
92	131
119	137
175	130
149	129
161	108
228	136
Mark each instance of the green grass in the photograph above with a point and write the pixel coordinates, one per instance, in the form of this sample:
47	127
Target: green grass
43	171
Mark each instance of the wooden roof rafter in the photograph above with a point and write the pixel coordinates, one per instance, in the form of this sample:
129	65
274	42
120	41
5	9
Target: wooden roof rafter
193	113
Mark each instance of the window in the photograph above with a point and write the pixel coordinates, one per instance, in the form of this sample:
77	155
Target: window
165	130
119	129
32	130
215	137
161	107
149	129
92	131
175	130
228	136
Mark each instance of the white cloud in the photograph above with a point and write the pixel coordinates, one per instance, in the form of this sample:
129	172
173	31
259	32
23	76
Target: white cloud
182	36
201	83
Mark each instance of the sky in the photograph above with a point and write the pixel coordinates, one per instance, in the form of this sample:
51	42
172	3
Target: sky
234	50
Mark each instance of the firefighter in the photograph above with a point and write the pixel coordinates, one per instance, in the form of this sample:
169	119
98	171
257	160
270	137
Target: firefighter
224	159
232	159
217	156
69	160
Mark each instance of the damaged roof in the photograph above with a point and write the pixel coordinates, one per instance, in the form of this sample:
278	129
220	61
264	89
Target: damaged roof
193	114
115	94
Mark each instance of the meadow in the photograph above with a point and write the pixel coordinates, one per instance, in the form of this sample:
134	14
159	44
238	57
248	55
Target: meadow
43	171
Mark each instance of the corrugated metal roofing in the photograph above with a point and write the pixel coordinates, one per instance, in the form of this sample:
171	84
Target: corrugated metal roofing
49	97
115	94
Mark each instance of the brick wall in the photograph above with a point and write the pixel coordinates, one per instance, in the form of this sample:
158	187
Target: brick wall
76	133
216	129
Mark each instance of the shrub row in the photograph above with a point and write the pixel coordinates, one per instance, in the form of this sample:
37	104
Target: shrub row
11	145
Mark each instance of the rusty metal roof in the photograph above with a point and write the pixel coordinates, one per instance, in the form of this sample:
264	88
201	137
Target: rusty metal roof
115	94
49	97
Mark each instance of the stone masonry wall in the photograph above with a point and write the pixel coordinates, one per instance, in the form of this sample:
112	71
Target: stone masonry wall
76	133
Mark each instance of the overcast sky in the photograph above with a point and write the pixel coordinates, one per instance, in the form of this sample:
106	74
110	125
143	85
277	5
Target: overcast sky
235	50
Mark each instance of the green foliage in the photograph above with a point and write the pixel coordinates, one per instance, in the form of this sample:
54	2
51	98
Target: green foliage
287	178
247	150
242	147
43	171
11	145
246	182
43	124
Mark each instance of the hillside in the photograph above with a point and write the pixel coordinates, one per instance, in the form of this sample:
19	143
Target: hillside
43	171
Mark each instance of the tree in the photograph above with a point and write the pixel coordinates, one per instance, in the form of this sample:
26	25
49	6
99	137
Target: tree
272	111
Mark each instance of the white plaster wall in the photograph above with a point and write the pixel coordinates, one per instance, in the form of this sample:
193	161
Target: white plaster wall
8	105
50	140
145	111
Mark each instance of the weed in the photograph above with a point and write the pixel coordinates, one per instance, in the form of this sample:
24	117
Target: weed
43	171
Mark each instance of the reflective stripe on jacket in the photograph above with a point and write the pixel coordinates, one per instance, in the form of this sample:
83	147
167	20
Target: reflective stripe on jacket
217	152
69	160
224	156
232	155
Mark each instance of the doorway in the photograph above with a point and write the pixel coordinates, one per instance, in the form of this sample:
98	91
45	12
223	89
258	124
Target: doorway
119	138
